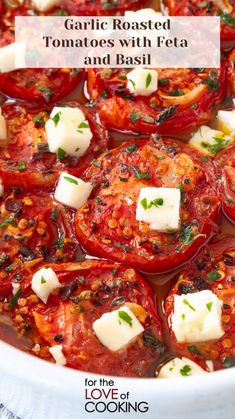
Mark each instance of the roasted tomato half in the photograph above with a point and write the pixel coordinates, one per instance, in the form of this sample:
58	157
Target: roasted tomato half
26	161
224	8
231	72
185	99
88	290
107	225
213	269
34	85
226	166
34	229
99	7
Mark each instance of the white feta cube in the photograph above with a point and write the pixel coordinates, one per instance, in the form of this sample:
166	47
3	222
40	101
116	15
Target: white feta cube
44	5
197	317
226	121
68	132
12	56
72	191
117	329
160	208
56	352
178	367
209	141
142	13
142	81
3	127
44	282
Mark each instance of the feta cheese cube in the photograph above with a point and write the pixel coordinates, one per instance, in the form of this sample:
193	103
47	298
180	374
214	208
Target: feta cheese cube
142	81
56	352
197	317
72	191
209	141
12	56
178	367
160	208
44	5
117	329
44	282
226	121
142	13
68	132
3	127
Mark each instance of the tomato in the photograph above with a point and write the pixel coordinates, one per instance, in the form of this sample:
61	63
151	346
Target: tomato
99	7
90	289
224	8
218	257
34	229
231	72
34	85
106	226
225	161
26	161
185	99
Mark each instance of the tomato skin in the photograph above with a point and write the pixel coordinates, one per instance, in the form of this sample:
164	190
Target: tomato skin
218	255
116	111
119	242
34	229
225	161
61	84
71	321
192	8
96	8
42	168
25	84
231	72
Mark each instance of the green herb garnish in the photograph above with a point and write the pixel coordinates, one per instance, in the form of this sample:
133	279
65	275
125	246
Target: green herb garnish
71	180
125	317
209	305
56	118
186	235
135	116
186	302
186	370
46	92
61	153
43	281
148	80
213	276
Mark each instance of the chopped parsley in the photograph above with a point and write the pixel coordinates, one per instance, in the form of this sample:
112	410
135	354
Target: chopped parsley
186	235
71	180
158	202
39	120
213	276
165	114
186	370
43	281
148	80
130	149
61	153
187	303
133	84
219	144
229	362
209	305
176	92
56	118
81	126
46	92
14	299
212	82
163	82
135	116
125	317
194	350
227	19
96	163
54	214
139	174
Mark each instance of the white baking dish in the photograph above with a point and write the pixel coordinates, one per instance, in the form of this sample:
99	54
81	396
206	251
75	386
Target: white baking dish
36	389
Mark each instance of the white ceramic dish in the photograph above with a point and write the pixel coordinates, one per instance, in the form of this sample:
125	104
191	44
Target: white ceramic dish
35	389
